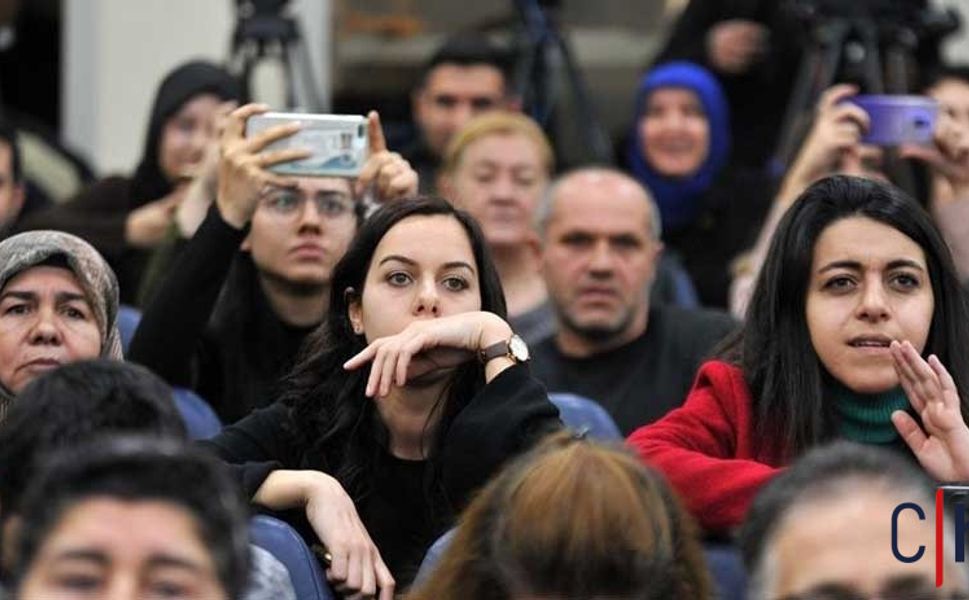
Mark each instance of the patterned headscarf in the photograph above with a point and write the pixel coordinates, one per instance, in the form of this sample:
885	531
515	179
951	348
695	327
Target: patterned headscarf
680	200
35	248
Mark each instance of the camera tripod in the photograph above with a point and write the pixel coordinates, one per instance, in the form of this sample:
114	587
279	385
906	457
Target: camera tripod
544	66
261	32
876	52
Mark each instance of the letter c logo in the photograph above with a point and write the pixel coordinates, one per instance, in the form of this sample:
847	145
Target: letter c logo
921	514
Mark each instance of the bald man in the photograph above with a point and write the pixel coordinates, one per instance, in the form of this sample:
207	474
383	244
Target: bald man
601	246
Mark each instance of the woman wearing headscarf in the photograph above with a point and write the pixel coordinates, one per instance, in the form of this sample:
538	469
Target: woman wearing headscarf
126	217
58	304
679	148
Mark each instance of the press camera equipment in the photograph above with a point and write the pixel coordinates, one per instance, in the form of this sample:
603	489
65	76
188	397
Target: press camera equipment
873	43
550	82
262	31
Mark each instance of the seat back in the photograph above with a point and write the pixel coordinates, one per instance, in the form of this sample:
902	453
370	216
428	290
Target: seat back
283	542
585	415
201	422
128	319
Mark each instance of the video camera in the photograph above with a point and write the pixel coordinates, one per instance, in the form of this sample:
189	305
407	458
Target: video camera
891	17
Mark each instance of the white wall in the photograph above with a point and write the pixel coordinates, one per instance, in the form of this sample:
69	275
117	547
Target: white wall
117	51
956	48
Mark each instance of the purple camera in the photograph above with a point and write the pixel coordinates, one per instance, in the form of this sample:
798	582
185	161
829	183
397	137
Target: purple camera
898	119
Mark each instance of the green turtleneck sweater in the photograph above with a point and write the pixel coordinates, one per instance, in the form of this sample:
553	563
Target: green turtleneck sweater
867	418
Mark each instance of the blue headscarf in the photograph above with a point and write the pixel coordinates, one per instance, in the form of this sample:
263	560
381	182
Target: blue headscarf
680	200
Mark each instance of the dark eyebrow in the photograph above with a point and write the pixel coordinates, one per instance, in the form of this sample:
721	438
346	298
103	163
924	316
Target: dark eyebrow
59	297
458	264
398	258
333	194
28	296
168	561
62	297
95	556
906	583
856	266
407	261
904	262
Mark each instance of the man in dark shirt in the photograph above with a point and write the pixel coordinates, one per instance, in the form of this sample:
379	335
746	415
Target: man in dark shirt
465	77
601	239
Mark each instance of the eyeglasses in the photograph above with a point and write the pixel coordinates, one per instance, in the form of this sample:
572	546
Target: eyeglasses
285	202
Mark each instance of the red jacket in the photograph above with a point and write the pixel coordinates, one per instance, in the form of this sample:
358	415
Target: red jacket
705	448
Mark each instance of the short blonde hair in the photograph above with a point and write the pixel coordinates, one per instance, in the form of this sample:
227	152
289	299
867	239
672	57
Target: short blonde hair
498	123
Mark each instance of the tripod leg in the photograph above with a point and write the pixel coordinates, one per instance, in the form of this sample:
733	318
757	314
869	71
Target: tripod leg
592	132
816	72
298	54
874	83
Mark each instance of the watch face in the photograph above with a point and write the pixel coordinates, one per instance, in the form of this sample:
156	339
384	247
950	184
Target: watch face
518	348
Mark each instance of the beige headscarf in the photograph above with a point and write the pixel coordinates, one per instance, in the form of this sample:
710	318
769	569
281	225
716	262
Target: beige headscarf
34	248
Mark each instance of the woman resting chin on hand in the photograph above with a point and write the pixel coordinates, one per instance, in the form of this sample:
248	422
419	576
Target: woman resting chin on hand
407	399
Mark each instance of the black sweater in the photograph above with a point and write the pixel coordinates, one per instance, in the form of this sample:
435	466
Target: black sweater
503	419
210	327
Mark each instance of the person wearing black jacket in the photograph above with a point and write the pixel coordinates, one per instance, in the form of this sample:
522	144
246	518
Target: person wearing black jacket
407	398
124	217
227	323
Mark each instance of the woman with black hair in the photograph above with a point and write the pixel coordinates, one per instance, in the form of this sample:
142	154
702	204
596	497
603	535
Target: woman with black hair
853	316
126	217
402	444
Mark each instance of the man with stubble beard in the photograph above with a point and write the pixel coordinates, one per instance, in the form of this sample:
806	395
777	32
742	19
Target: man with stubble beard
601	245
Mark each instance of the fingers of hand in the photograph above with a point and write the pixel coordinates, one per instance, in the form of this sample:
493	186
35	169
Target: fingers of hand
906	377
376	368
338	566
927	154
923	380
909	430
235	126
410	349
375	133
387	368
946	383
371	168
392	170
265	159
385	580
362	357
270	135
847	113
403	184
835	94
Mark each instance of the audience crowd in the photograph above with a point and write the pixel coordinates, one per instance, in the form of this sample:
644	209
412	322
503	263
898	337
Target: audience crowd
465	373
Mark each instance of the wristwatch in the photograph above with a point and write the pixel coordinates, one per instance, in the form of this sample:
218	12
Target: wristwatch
513	348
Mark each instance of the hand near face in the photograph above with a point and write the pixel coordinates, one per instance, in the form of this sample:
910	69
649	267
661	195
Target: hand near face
949	154
734	45
147	226
427	345
941	443
356	568
243	177
834	137
390	175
